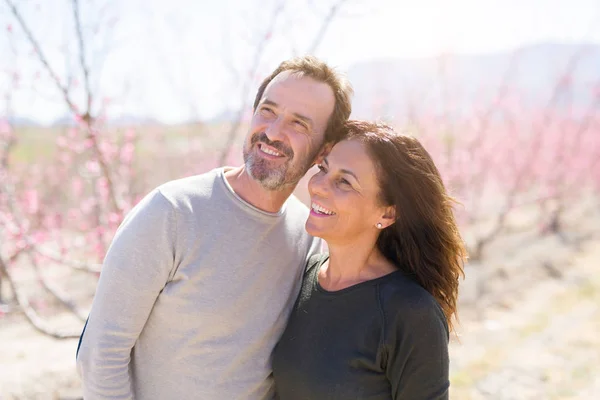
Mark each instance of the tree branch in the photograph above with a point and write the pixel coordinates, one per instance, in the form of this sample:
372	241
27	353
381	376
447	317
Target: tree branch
41	56
83	64
32	316
231	135
326	22
74	264
54	291
93	137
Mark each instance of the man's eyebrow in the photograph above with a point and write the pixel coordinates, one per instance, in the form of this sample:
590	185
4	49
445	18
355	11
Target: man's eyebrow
343	171
270	103
299	116
304	118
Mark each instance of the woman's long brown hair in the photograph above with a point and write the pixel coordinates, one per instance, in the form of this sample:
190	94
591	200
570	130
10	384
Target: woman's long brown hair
424	241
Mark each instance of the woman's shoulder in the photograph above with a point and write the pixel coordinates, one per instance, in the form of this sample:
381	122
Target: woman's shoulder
403	297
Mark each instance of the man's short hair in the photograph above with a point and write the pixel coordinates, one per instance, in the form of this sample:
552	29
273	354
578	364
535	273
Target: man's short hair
318	70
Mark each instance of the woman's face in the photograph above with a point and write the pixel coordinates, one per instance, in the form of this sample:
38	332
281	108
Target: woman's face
344	196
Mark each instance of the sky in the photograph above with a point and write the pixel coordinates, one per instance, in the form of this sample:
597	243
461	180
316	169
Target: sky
176	60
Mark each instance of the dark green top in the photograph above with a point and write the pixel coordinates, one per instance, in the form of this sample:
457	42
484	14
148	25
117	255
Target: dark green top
382	339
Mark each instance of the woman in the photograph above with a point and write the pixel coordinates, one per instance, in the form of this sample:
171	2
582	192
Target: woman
372	318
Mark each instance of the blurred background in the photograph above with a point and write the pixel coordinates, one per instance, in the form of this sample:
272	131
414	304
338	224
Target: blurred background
102	100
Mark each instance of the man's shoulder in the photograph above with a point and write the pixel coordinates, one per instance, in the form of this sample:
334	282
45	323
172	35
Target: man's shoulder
183	190
296	214
296	208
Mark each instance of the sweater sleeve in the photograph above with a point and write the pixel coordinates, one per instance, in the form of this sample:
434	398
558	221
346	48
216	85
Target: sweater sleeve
417	364
135	270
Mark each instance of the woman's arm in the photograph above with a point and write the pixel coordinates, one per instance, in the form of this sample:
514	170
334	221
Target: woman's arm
417	357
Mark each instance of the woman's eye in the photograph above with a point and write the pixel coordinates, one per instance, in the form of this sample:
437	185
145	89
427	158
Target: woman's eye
321	167
344	181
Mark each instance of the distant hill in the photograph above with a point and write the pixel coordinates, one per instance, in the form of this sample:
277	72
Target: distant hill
386	88
22	121
123	120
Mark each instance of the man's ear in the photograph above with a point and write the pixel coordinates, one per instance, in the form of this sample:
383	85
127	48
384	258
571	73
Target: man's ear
323	153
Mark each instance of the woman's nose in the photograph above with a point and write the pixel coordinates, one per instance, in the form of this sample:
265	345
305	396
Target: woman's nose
317	185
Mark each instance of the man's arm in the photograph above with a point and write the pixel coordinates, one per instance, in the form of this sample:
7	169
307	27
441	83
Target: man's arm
135	270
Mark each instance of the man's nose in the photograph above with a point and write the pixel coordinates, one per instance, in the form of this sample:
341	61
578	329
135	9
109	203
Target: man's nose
275	130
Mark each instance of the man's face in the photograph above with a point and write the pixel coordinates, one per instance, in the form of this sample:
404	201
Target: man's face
287	130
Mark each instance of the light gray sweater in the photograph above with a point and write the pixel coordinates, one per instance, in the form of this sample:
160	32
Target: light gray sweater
195	291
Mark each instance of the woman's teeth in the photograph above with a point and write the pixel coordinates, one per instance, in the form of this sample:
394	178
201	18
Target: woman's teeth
321	210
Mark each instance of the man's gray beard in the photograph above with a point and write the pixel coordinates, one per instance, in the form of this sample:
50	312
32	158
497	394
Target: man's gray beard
278	178
273	179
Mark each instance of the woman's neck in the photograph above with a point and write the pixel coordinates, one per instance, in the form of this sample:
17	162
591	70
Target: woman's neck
352	263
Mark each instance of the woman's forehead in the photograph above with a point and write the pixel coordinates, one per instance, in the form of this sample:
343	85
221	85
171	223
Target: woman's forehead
352	155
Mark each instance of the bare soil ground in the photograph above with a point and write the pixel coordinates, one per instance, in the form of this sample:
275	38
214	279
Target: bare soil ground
529	328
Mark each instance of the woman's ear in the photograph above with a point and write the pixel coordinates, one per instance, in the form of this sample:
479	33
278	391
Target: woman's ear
388	217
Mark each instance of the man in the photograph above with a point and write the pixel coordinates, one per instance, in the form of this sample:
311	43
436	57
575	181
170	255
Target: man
198	283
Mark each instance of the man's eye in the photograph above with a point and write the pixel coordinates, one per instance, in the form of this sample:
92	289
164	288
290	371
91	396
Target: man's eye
301	124
267	111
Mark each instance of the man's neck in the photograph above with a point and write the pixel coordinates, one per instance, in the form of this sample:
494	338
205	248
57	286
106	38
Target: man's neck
251	191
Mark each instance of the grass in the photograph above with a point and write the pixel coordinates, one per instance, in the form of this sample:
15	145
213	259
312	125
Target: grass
35	144
38	144
540	323
565	382
479	368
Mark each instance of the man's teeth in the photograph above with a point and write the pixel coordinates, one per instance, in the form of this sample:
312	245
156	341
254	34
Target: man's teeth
321	210
269	151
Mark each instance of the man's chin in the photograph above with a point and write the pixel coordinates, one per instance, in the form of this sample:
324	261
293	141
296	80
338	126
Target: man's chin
265	177
274	183
269	177
271	184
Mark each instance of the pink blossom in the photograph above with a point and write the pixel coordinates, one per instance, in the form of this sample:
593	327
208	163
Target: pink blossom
77	186
93	166
5	128
102	188
31	201
40	236
61	141
127	152
130	135
65	158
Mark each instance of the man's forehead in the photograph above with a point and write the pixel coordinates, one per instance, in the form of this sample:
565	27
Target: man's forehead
291	88
290	80
288	74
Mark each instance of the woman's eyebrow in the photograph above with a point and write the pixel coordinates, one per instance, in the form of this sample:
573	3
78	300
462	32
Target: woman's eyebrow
344	171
